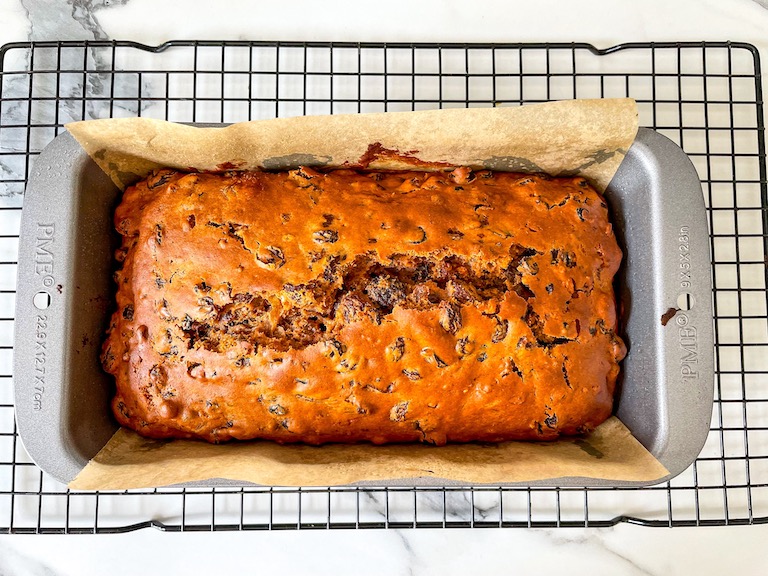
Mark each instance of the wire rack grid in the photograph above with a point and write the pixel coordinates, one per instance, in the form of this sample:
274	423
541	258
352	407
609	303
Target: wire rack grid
704	96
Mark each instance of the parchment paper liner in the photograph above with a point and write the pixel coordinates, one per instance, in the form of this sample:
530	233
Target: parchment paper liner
581	137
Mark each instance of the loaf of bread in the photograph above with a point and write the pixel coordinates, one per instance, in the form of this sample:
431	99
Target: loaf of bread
364	306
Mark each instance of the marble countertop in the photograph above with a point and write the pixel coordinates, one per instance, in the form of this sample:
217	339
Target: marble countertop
624	549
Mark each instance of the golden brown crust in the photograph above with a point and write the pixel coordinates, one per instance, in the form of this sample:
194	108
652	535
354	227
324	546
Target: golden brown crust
347	306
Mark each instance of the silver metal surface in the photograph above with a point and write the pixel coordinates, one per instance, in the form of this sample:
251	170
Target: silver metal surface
66	259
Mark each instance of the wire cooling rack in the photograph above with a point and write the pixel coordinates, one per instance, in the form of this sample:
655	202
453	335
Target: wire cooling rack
704	96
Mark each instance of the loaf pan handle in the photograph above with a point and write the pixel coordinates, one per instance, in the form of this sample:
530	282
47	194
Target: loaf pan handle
65	256
668	376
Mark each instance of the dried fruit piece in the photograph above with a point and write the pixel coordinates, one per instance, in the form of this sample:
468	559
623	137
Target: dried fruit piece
159	178
277	410
158	375
195	369
422	238
325	236
272	257
396	350
501	330
398	411
464	346
386	291
338	346
450	317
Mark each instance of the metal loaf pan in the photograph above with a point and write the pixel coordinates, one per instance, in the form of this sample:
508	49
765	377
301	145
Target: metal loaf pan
65	295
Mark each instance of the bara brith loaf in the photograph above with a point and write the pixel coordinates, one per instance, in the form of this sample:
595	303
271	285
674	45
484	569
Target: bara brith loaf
355	306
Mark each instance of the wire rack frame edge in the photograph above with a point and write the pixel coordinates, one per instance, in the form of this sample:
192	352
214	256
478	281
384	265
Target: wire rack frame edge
707	96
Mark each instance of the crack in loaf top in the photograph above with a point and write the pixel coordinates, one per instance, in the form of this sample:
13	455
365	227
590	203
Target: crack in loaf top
360	295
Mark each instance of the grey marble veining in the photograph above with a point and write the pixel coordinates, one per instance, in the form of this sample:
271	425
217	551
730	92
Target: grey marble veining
16	563
78	21
591	542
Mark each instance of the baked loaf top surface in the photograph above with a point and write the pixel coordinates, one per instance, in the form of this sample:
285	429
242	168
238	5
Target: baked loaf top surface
347	306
